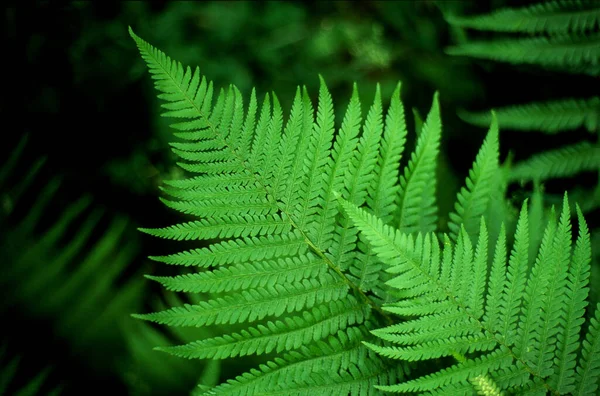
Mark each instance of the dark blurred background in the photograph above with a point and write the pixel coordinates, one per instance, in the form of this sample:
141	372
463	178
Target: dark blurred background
75	85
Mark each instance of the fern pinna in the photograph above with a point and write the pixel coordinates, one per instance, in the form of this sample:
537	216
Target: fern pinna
515	329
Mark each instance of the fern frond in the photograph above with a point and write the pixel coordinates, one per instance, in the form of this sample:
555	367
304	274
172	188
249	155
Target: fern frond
515	330
323	358
473	199
548	117
588	369
563	162
292	268
553	17
571	54
416	209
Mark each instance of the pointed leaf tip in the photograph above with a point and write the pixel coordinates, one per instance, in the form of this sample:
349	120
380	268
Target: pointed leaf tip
131	33
322	81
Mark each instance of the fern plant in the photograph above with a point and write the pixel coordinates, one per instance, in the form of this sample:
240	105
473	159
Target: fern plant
566	38
285	270
515	328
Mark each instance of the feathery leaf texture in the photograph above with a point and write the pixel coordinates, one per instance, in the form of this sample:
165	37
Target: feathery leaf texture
515	328
552	17
473	199
283	264
549	117
571	54
287	268
562	162
573	44
563	36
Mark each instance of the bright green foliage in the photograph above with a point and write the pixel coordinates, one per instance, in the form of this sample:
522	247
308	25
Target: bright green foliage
473	199
288	274
515	328
290	269
150	372
562	162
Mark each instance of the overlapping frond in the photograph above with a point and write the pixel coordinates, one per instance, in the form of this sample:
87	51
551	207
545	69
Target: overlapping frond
148	371
416	208
514	329
562	36
286	267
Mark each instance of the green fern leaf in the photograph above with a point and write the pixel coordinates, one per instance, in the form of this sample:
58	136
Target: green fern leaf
563	162
548	117
296	278
472	201
553	17
511	331
571	54
416	202
588	369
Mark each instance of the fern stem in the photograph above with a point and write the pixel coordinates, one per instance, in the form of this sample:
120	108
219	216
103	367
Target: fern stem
357	289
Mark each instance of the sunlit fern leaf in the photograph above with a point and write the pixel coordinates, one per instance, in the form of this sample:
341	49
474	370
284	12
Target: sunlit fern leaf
567	53
573	46
511	329
473	200
553	17
327	356
563	162
416	201
297	280
548	117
